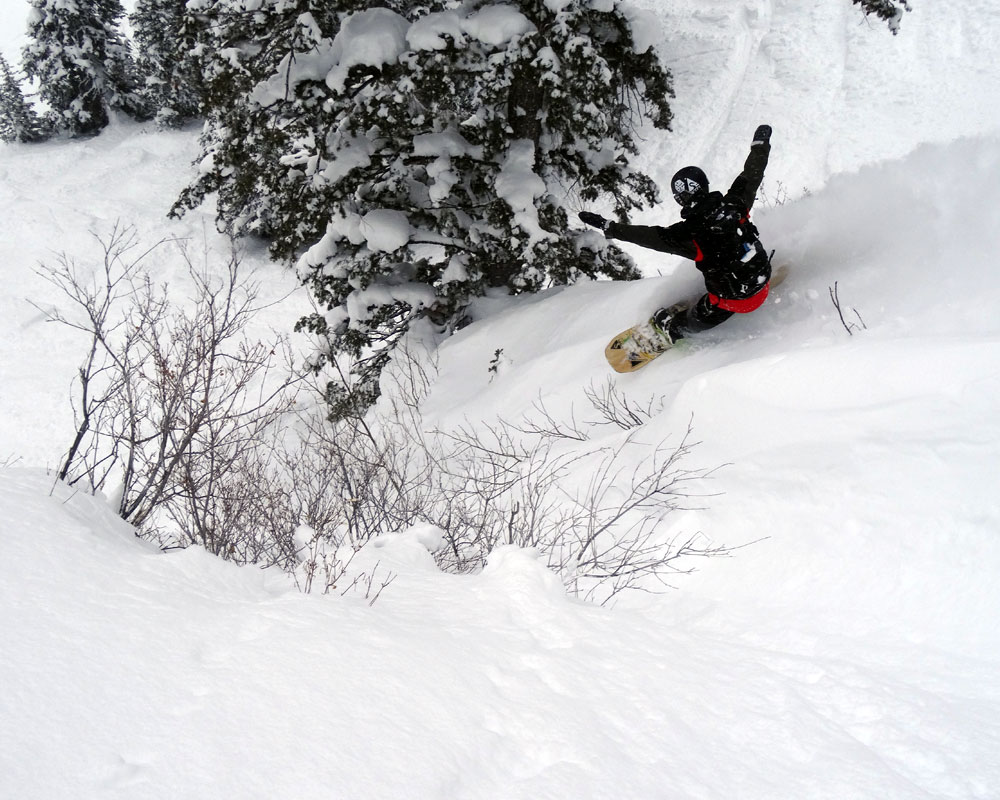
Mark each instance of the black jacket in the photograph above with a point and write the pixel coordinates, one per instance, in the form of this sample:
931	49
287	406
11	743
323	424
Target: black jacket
720	261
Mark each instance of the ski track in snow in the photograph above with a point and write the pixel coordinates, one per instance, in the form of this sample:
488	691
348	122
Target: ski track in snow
850	650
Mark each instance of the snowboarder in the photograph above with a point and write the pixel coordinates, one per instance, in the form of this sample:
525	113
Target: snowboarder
716	233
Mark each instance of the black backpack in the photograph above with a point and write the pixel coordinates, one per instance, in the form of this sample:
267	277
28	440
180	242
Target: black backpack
727	234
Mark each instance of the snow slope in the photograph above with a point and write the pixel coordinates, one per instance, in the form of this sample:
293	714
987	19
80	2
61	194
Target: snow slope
852	653
840	90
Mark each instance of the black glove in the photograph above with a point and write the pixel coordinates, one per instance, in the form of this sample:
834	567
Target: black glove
594	219
762	135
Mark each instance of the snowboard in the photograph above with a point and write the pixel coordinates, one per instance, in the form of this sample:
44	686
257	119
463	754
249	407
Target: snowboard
635	347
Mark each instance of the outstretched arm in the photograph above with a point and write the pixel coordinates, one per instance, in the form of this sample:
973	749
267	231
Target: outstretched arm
744	188
676	239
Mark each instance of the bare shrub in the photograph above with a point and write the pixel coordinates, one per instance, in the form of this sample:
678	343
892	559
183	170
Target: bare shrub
188	422
616	408
200	427
332	565
171	400
601	534
486	485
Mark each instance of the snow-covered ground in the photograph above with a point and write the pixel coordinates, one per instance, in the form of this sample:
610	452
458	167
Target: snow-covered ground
853	652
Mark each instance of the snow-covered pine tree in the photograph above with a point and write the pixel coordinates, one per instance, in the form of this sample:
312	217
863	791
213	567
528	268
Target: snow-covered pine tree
82	62
412	158
18	120
889	10
244	141
172	79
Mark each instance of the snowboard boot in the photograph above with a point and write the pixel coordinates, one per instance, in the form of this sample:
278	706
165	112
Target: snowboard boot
667	321
655	334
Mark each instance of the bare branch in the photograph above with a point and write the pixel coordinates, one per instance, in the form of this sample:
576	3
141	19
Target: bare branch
849	327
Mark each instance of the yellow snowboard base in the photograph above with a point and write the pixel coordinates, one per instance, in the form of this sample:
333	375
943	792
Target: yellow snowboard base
625	358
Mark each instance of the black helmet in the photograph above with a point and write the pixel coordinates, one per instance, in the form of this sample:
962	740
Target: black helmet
688	185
